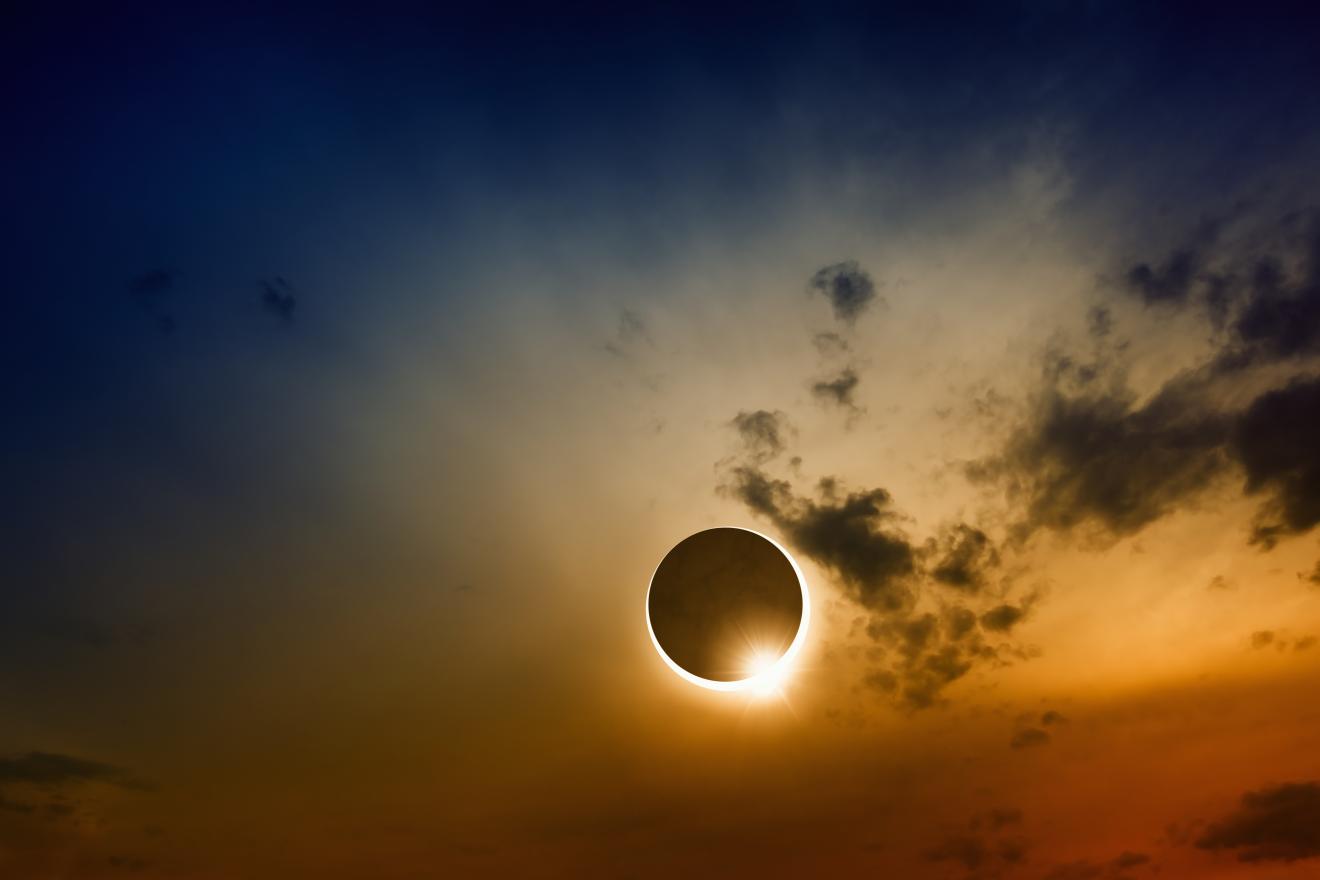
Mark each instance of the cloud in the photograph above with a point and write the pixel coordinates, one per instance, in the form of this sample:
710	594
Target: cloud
1130	860
858	536
848	287
1101	459
1278	443
1088	870
631	331
1093	455
997	818
924	676
967	850
829	344
965	556
277	297
1279	316
855	535
974	851
1173	279
1279	824
47	777
1266	297
1029	737
1262	639
1099	322
764	434
1002	618
16	806
1052	717
1013	850
48	768
838	390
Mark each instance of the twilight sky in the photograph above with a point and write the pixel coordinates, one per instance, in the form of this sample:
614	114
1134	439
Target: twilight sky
360	367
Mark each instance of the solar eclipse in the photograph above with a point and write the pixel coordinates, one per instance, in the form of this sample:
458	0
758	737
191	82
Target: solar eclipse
727	609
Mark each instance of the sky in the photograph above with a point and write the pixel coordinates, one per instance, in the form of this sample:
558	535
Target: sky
361	365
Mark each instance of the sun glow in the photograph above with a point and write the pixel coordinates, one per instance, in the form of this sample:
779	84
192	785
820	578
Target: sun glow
767	675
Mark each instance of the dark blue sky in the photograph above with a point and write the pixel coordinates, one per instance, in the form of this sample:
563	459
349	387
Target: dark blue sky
222	150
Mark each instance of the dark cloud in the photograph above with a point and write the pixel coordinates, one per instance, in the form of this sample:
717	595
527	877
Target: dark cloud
1314	576
964	558
848	287
974	852
829	344
16	806
1013	850
1262	639
1170	282
1266	297
1075	871
1280	314
967	850
1052	717
764	434
1280	824
1278	443
926	675
1029	737
959	622
838	390
1101	459
1093	455
1130	860
1305	643
859	537
1099	322
1088	870
1002	618
997	818
47	768
854	535
631	332
277	297
46	780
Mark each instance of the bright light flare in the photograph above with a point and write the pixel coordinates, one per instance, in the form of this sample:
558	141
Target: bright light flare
767	675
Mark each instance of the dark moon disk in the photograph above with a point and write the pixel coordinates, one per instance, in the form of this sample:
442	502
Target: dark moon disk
721	601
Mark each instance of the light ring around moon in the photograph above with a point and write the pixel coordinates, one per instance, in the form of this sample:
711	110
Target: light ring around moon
758	681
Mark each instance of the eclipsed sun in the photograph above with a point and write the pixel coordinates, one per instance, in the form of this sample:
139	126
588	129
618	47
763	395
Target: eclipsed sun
727	609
